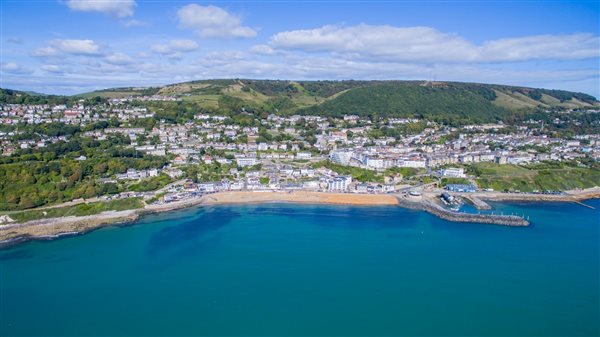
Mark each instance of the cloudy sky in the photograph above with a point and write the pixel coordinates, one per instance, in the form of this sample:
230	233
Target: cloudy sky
74	46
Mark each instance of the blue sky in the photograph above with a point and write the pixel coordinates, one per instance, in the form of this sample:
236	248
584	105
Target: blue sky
73	46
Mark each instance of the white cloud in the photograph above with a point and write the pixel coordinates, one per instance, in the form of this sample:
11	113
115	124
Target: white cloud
53	68
45	52
76	47
114	8
262	49
330	52
425	44
175	48
14	68
213	22
118	59
556	47
61	47
383	42
183	45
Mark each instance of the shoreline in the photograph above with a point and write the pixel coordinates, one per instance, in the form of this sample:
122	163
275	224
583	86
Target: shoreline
54	228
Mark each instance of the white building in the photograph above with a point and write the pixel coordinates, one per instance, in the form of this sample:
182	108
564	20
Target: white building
246	161
375	163
341	157
303	155
453	172
415	163
339	184
519	159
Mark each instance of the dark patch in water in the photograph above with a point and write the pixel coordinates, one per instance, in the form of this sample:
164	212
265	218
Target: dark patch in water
173	237
15	255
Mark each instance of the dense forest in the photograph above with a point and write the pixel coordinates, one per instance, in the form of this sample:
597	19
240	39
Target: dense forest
445	104
31	178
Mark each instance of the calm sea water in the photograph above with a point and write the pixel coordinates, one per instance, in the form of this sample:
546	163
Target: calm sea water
279	269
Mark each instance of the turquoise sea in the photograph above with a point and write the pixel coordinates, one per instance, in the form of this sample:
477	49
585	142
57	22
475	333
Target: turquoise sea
283	269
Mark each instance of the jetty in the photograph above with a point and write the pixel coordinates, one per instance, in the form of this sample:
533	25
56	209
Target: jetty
478	203
446	214
436	209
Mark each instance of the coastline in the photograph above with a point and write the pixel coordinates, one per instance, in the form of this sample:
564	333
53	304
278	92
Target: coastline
52	228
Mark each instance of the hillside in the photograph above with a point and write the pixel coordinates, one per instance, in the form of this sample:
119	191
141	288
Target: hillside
443	101
437	103
21	97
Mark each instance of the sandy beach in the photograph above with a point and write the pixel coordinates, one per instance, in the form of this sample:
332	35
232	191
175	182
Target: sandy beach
300	197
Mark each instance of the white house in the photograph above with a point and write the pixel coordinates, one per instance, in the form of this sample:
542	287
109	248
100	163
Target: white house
341	157
246	161
339	184
453	172
303	155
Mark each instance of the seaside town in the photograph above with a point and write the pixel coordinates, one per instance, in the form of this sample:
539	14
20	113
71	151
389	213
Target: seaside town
299	168
212	153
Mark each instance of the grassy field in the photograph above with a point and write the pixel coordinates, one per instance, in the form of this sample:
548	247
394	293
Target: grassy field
446	181
235	90
405	172
205	100
541	177
514	100
79	210
182	88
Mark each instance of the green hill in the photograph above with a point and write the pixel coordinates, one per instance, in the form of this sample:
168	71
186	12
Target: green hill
441	101
364	97
438	103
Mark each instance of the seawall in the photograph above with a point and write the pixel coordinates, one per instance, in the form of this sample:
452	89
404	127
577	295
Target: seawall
506	220
441	212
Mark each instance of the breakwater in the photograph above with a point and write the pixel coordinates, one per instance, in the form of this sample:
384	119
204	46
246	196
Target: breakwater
446	214
506	220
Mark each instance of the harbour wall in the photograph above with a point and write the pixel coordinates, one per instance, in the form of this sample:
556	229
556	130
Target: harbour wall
446	214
